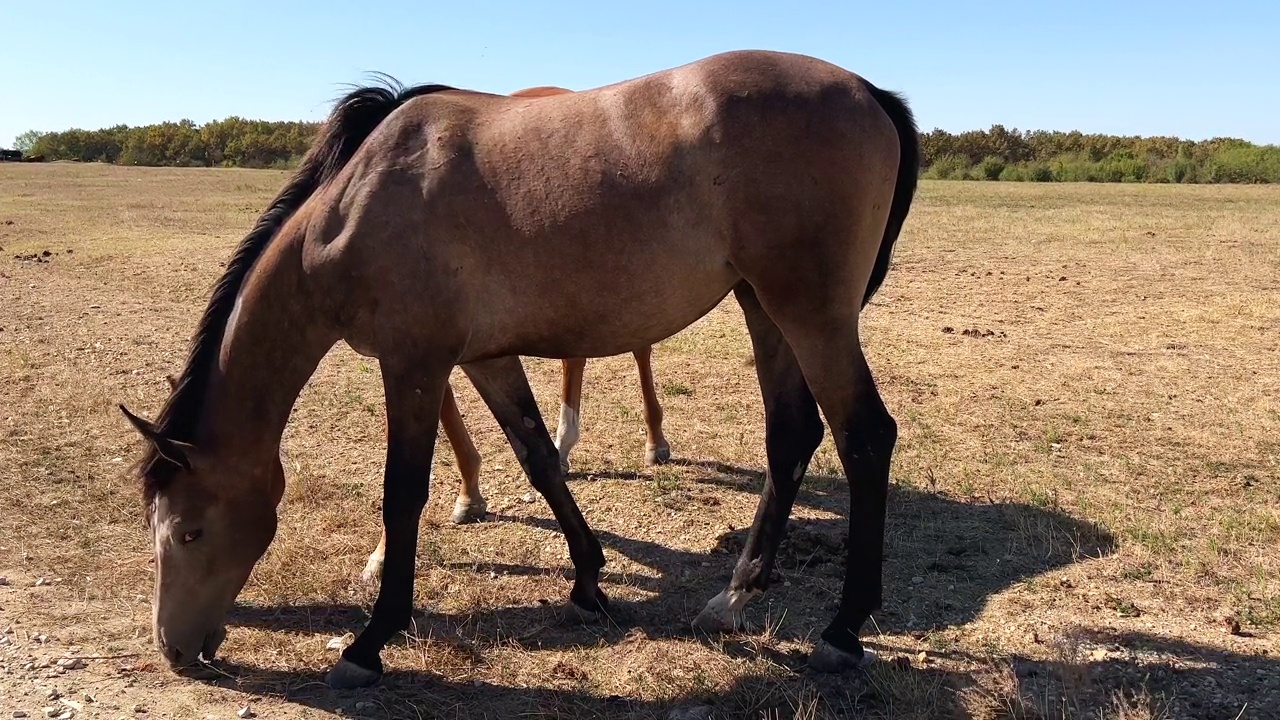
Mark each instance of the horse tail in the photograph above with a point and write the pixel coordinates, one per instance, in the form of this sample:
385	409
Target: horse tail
904	188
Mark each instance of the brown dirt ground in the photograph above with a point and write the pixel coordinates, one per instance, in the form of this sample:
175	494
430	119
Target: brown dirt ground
1084	520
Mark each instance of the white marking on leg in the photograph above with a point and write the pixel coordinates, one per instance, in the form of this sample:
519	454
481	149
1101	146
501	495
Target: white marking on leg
567	432
373	568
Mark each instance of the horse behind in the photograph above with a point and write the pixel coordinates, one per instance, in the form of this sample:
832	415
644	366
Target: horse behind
431	227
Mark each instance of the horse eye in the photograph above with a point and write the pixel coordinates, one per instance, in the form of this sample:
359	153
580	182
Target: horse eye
192	536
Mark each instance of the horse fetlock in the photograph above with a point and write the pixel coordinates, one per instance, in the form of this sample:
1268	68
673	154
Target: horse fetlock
347	675
373	568
827	658
568	432
468	511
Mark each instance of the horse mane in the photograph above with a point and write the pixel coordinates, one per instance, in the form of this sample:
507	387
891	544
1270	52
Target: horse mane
352	120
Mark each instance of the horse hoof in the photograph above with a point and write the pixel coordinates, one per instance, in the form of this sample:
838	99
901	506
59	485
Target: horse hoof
347	675
712	622
723	613
657	455
827	658
564	466
585	616
465	512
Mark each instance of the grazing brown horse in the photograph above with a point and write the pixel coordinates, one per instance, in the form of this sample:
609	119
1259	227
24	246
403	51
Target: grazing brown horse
470	505
432	228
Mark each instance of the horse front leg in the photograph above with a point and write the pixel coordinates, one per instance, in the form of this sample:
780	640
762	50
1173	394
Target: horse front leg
414	392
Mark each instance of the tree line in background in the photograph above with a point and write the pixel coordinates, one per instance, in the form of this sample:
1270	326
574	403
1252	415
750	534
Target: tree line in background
1048	156
233	142
994	154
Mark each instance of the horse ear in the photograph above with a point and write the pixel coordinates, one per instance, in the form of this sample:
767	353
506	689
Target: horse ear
174	451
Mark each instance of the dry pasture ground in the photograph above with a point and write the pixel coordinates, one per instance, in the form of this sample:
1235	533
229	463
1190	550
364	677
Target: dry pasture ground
1084	519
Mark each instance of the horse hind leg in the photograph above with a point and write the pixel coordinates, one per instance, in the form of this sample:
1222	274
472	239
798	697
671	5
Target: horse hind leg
470	506
569	429
793	431
657	450
827	347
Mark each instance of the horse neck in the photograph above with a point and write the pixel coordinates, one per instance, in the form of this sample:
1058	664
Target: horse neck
272	345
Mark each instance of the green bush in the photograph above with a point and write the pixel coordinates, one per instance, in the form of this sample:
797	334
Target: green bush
1245	164
990	168
948	167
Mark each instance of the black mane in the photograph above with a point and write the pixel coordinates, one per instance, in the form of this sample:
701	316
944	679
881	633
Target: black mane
353	119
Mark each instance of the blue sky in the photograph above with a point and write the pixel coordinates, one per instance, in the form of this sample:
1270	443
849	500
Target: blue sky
1195	70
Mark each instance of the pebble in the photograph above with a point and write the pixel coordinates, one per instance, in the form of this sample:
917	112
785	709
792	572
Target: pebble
139	708
527	497
244	712
363	705
20	713
72	664
4	581
917	580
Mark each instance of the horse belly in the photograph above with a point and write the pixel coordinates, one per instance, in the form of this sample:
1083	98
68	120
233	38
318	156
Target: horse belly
610	313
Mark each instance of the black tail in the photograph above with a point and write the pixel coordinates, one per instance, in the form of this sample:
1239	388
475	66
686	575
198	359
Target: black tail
353	120
905	188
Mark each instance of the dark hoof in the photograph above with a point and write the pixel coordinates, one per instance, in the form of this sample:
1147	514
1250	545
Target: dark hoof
347	675
827	658
589	608
464	512
657	455
586	617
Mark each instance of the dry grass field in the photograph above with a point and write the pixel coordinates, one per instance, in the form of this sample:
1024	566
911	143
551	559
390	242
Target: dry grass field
1084	520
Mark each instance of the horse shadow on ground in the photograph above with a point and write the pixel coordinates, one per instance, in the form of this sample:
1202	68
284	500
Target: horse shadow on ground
944	559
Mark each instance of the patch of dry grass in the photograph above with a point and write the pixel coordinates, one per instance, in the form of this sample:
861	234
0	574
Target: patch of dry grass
1083	523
